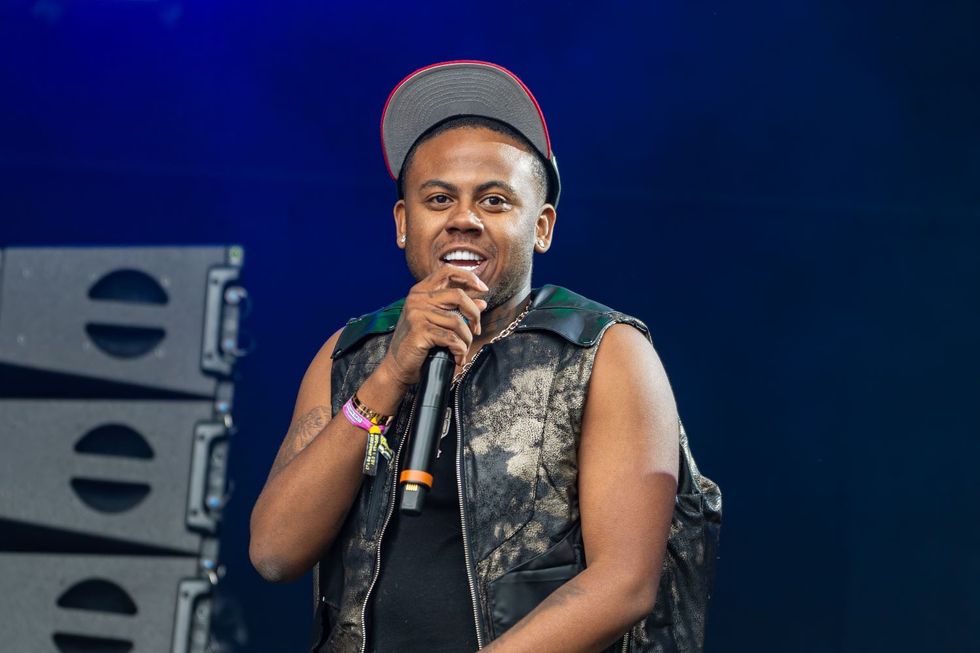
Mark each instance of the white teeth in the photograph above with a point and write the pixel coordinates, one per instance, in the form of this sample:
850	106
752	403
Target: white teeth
460	255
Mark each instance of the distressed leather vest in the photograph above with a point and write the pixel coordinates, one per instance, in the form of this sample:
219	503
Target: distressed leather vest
518	414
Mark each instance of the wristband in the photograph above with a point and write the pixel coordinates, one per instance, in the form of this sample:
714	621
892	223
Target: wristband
376	441
360	420
373	415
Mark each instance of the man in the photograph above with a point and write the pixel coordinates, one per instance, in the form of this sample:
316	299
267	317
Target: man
555	483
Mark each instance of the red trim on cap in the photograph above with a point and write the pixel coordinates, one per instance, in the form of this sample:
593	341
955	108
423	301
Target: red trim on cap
544	124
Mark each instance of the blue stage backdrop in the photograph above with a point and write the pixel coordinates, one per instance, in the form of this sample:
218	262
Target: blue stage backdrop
787	192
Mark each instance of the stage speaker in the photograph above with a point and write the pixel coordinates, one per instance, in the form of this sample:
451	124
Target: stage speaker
103	604
149	318
116	390
143	474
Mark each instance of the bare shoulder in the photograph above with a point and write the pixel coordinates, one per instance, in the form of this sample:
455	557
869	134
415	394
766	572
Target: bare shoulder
630	392
626	354
312	410
628	457
315	387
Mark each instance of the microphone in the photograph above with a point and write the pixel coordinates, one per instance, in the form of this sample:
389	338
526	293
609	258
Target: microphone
430	419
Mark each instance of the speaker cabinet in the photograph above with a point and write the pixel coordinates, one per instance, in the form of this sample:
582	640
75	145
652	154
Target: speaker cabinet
149	473
162	318
116	387
102	604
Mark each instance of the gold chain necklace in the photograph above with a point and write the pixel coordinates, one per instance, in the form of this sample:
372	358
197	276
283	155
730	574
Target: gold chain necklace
509	329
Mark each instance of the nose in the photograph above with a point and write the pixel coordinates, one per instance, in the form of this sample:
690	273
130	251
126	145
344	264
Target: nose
464	219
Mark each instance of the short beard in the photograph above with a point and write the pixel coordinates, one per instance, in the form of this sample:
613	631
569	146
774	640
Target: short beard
511	282
509	285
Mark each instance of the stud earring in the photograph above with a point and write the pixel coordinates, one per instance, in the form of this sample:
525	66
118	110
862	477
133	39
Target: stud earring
540	243
402	239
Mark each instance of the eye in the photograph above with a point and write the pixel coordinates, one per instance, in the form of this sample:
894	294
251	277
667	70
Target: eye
496	202
440	199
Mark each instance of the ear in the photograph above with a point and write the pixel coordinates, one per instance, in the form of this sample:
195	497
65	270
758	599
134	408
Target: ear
544	228
401	229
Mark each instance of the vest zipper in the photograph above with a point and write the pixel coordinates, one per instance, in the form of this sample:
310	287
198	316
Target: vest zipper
626	642
462	514
391	510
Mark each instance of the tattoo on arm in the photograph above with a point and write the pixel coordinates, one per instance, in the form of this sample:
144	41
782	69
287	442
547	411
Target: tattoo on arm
303	432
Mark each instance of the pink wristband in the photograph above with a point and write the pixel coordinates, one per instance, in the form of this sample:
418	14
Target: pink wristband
360	421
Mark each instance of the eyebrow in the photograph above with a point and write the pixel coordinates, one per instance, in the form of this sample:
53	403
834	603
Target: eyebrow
485	186
438	183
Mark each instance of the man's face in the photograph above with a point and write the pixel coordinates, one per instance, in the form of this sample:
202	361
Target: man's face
472	200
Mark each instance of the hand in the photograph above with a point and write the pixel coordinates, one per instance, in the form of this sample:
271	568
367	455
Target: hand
429	319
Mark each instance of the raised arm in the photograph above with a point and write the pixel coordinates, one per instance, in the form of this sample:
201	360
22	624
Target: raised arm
317	473
627	483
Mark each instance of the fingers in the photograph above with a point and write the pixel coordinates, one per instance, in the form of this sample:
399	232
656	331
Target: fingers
449	299
452	288
433	321
442	310
428	325
447	330
450	276
469	309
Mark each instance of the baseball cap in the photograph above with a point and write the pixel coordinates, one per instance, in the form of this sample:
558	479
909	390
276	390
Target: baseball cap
466	87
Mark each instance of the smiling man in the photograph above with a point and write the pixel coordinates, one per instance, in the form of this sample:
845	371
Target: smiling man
556	481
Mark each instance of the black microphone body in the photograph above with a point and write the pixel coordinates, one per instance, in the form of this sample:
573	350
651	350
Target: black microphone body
430	417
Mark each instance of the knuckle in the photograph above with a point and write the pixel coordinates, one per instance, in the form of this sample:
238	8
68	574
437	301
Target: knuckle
441	332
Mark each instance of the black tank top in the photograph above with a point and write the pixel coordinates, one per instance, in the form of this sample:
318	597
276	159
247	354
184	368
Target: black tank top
421	602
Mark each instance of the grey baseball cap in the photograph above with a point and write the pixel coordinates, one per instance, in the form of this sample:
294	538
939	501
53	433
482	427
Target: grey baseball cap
435	93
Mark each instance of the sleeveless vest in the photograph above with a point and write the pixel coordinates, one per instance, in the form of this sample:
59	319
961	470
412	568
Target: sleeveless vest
518	414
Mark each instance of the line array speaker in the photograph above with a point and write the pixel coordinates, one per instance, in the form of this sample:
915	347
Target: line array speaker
162	318
65	603
147	472
116	388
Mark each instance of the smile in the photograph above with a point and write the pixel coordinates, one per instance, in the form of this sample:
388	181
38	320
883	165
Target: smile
466	260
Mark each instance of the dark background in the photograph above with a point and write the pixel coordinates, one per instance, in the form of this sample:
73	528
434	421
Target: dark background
787	192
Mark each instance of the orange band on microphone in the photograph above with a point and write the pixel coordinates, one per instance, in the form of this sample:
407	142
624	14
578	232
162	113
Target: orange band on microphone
416	476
